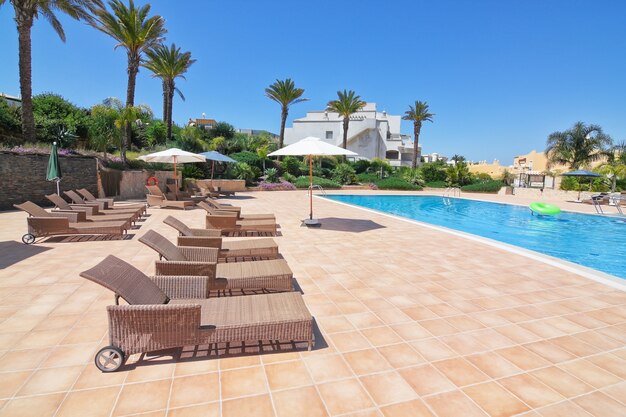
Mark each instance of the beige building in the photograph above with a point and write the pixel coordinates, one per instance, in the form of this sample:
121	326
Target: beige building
494	169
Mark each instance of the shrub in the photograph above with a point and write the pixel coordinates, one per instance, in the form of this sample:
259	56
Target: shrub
434	171
243	171
303	182
288	177
437	184
247	157
273	186
379	165
344	174
271	175
361	165
484	187
396	183
291	165
54	115
569	184
366	177
412	176
192	171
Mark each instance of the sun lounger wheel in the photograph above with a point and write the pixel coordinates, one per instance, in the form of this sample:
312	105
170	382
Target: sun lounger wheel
28	238
109	359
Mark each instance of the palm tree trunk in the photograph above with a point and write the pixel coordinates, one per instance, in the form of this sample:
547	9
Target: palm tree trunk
133	69
26	89
170	106
165	104
346	125
283	121
416	139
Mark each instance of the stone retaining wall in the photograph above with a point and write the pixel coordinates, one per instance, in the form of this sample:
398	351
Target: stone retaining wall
133	183
23	177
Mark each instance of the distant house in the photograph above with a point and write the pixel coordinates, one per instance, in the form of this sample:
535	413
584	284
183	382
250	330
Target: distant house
11	100
204	123
256	132
371	134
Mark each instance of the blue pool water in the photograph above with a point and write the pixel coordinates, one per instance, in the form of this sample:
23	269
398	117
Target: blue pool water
597	242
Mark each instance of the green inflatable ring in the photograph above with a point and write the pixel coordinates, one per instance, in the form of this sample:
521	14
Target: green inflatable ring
544	208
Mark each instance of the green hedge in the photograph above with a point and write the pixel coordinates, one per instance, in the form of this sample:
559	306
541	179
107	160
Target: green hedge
437	184
484	187
395	183
303	182
367	177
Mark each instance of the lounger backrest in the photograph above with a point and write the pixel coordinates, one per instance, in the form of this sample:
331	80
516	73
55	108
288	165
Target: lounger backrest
74	197
155	190
32	209
85	193
58	201
178	225
126	281
164	247
206	207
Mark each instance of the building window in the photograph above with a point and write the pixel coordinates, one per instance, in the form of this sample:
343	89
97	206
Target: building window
392	155
329	134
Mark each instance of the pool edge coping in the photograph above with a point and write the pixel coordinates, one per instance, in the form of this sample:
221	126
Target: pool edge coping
581	270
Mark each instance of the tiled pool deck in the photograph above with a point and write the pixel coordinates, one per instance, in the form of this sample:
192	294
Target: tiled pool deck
414	322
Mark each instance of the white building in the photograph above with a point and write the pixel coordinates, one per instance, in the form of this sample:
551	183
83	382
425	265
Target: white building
371	134
434	157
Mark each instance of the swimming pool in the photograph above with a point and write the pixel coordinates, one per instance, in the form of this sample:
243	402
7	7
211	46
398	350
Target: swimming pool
597	242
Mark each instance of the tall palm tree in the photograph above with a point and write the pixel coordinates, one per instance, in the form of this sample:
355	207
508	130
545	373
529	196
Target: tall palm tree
417	115
136	32
615	164
346	104
285	93
578	146
168	63
26	12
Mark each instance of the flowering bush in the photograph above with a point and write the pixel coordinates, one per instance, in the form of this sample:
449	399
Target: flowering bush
273	186
43	151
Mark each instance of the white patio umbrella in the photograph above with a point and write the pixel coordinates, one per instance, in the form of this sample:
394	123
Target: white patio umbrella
311	146
173	156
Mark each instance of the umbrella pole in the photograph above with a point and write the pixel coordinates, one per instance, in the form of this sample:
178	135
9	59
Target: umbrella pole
176	178
212	169
311	187
58	191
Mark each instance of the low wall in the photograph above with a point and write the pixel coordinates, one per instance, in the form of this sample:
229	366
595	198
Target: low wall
132	184
552	194
227	185
23	177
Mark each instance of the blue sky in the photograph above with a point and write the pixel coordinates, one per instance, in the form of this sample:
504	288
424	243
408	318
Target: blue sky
499	75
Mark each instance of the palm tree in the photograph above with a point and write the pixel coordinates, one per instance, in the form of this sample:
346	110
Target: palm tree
26	12
615	165
284	93
136	32
417	115
346	104
578	146
168	64
126	115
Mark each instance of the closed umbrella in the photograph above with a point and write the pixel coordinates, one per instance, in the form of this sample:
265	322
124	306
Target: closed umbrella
581	173
173	156
214	156
311	146
54	169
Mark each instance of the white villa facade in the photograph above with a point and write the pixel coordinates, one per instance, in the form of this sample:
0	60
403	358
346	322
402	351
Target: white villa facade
371	134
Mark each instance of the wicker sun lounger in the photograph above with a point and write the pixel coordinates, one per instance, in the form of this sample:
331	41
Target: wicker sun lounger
109	202
169	313
246	249
272	274
230	226
100	205
156	197
211	210
42	224
61	204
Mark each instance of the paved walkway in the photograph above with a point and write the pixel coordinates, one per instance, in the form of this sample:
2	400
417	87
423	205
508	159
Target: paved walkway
414	322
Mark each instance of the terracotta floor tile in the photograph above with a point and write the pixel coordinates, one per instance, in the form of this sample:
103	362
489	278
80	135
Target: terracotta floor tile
366	361
454	404
492	339
151	372
433	349
44	381
259	406
285	375
89	403
590	373
463	344
419	313
11	382
415	408
575	346
142	397
92	377
561	381
364	320
195	389
495	400
304	402
600	405
610	364
617	392
530	390
344	396
348	341
239	362
550	351
401	355
522	358
335	324
38	406
460	371
411	331
190	367
438	327
71	355
564	409
327	368
204	410
20	360
493	364
388	388
244	381
381	336
426	380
